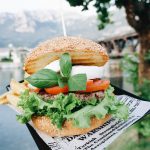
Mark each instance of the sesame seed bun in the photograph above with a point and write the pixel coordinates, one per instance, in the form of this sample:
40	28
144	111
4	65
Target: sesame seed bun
44	124
82	51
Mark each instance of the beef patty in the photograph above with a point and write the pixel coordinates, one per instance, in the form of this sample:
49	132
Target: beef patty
99	95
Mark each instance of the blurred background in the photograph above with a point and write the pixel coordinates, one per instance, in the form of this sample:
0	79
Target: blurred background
122	26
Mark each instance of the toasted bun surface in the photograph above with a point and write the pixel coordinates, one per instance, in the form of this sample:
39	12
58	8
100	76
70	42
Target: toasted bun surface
44	124
82	51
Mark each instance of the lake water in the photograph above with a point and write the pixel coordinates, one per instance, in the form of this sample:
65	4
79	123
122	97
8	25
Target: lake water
13	135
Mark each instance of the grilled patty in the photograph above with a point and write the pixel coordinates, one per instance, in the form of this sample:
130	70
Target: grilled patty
99	95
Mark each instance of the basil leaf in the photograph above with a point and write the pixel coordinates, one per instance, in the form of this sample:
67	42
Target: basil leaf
77	82
62	81
65	65
43	78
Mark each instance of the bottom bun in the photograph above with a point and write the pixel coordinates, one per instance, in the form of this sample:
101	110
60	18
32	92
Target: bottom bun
44	124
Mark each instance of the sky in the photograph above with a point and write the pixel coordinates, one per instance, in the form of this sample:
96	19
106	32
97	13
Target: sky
18	5
31	5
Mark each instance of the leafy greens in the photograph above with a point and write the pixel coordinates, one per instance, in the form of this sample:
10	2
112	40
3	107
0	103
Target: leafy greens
43	78
65	65
66	107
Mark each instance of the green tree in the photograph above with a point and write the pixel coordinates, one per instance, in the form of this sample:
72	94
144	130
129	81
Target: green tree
137	15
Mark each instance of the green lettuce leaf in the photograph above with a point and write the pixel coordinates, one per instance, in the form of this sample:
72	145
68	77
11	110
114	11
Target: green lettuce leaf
109	105
66	107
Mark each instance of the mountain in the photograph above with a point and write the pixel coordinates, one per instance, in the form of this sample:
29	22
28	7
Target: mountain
27	28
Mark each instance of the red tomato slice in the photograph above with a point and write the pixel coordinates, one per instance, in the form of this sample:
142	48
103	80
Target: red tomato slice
89	82
91	86
56	90
99	85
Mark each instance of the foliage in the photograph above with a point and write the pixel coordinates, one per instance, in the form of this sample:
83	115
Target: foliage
129	141
136	8
144	126
6	59
144	89
130	68
141	145
147	56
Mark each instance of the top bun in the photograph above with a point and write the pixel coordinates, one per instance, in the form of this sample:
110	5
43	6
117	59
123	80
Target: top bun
82	51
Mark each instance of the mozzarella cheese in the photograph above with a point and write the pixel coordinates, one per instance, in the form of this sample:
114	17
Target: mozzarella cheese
92	72
53	66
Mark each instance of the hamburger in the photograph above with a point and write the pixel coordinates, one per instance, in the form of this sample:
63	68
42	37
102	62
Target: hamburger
64	92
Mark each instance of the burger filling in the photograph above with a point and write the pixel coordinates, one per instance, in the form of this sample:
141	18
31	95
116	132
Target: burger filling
64	92
99	95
